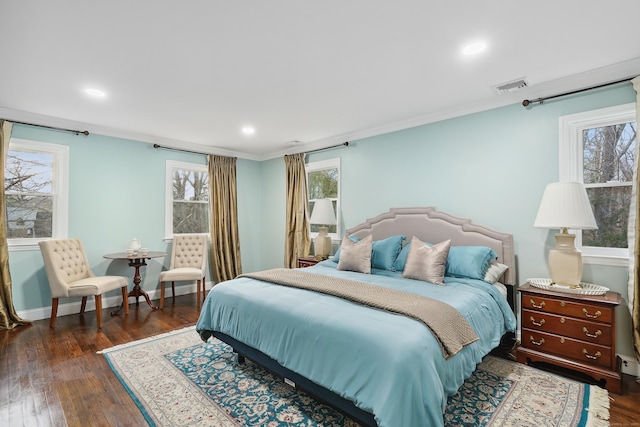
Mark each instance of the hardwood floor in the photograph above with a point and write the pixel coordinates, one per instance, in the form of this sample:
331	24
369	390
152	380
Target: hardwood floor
53	377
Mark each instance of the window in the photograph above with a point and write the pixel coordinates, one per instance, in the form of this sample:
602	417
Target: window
597	148
187	199
36	184
323	181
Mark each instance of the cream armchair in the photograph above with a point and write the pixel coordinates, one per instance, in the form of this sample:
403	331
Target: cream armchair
188	262
70	275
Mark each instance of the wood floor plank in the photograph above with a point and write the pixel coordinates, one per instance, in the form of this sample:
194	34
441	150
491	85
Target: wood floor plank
54	377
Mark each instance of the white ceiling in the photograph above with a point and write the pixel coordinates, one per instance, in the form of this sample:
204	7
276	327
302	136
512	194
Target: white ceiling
191	74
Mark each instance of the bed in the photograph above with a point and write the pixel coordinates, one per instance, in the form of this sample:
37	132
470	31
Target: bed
380	367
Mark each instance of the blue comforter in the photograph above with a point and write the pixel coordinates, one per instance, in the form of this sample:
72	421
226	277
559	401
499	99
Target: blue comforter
387	364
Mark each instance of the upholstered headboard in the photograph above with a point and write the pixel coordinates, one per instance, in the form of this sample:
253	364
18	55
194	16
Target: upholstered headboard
432	226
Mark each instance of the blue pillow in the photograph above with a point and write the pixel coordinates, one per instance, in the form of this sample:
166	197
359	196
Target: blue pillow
469	261
383	252
401	260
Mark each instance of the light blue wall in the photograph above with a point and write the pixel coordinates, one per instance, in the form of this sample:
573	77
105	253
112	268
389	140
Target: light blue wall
491	167
116	193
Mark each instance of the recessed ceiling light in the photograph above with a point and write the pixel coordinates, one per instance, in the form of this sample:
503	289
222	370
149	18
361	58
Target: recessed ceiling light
474	48
95	92
248	130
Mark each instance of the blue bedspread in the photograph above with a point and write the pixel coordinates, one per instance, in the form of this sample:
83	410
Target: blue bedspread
387	364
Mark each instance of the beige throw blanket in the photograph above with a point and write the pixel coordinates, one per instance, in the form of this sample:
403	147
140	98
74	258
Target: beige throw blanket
450	328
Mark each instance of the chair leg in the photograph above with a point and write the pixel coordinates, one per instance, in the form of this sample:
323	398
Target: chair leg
161	295
99	310
54	312
173	290
198	290
204	289
83	305
125	299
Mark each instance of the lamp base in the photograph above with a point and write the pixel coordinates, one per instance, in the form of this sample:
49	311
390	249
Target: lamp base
565	261
322	243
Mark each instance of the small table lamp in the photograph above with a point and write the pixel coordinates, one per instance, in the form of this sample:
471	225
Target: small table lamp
565	205
322	215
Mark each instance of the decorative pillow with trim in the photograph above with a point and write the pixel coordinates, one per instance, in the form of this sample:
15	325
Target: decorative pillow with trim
495	271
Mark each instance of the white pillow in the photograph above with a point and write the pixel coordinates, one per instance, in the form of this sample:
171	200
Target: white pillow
495	271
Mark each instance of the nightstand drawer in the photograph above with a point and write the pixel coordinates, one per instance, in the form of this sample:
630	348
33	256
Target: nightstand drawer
578	309
585	352
597	333
307	261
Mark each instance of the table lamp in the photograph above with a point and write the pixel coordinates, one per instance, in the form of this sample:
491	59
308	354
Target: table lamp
565	205
322	215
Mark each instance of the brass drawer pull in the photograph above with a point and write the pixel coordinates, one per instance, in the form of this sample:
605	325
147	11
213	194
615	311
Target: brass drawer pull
596	335
533	321
588	356
591	316
537	343
533	304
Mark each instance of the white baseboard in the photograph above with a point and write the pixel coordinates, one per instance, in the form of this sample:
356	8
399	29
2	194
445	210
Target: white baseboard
111	301
630	365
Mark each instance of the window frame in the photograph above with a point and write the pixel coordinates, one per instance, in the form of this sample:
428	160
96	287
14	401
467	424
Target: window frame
59	191
318	166
170	166
571	160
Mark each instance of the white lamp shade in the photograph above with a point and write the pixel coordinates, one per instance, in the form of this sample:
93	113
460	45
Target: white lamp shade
565	205
323	213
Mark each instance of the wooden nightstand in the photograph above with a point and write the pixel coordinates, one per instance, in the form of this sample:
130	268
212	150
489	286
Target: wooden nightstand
307	261
572	331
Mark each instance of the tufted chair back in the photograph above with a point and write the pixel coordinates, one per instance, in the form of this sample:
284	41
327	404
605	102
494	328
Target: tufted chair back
189	251
70	275
65	262
188	262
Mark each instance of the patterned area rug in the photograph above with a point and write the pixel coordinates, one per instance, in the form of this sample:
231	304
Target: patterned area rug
177	380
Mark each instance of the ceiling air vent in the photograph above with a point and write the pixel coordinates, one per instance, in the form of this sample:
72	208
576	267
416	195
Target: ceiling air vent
510	87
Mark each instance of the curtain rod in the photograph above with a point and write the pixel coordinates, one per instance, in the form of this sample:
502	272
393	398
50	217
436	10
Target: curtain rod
344	144
77	132
526	102
179	149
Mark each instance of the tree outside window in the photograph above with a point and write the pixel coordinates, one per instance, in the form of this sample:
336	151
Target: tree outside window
189	197
597	148
35	191
608	174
